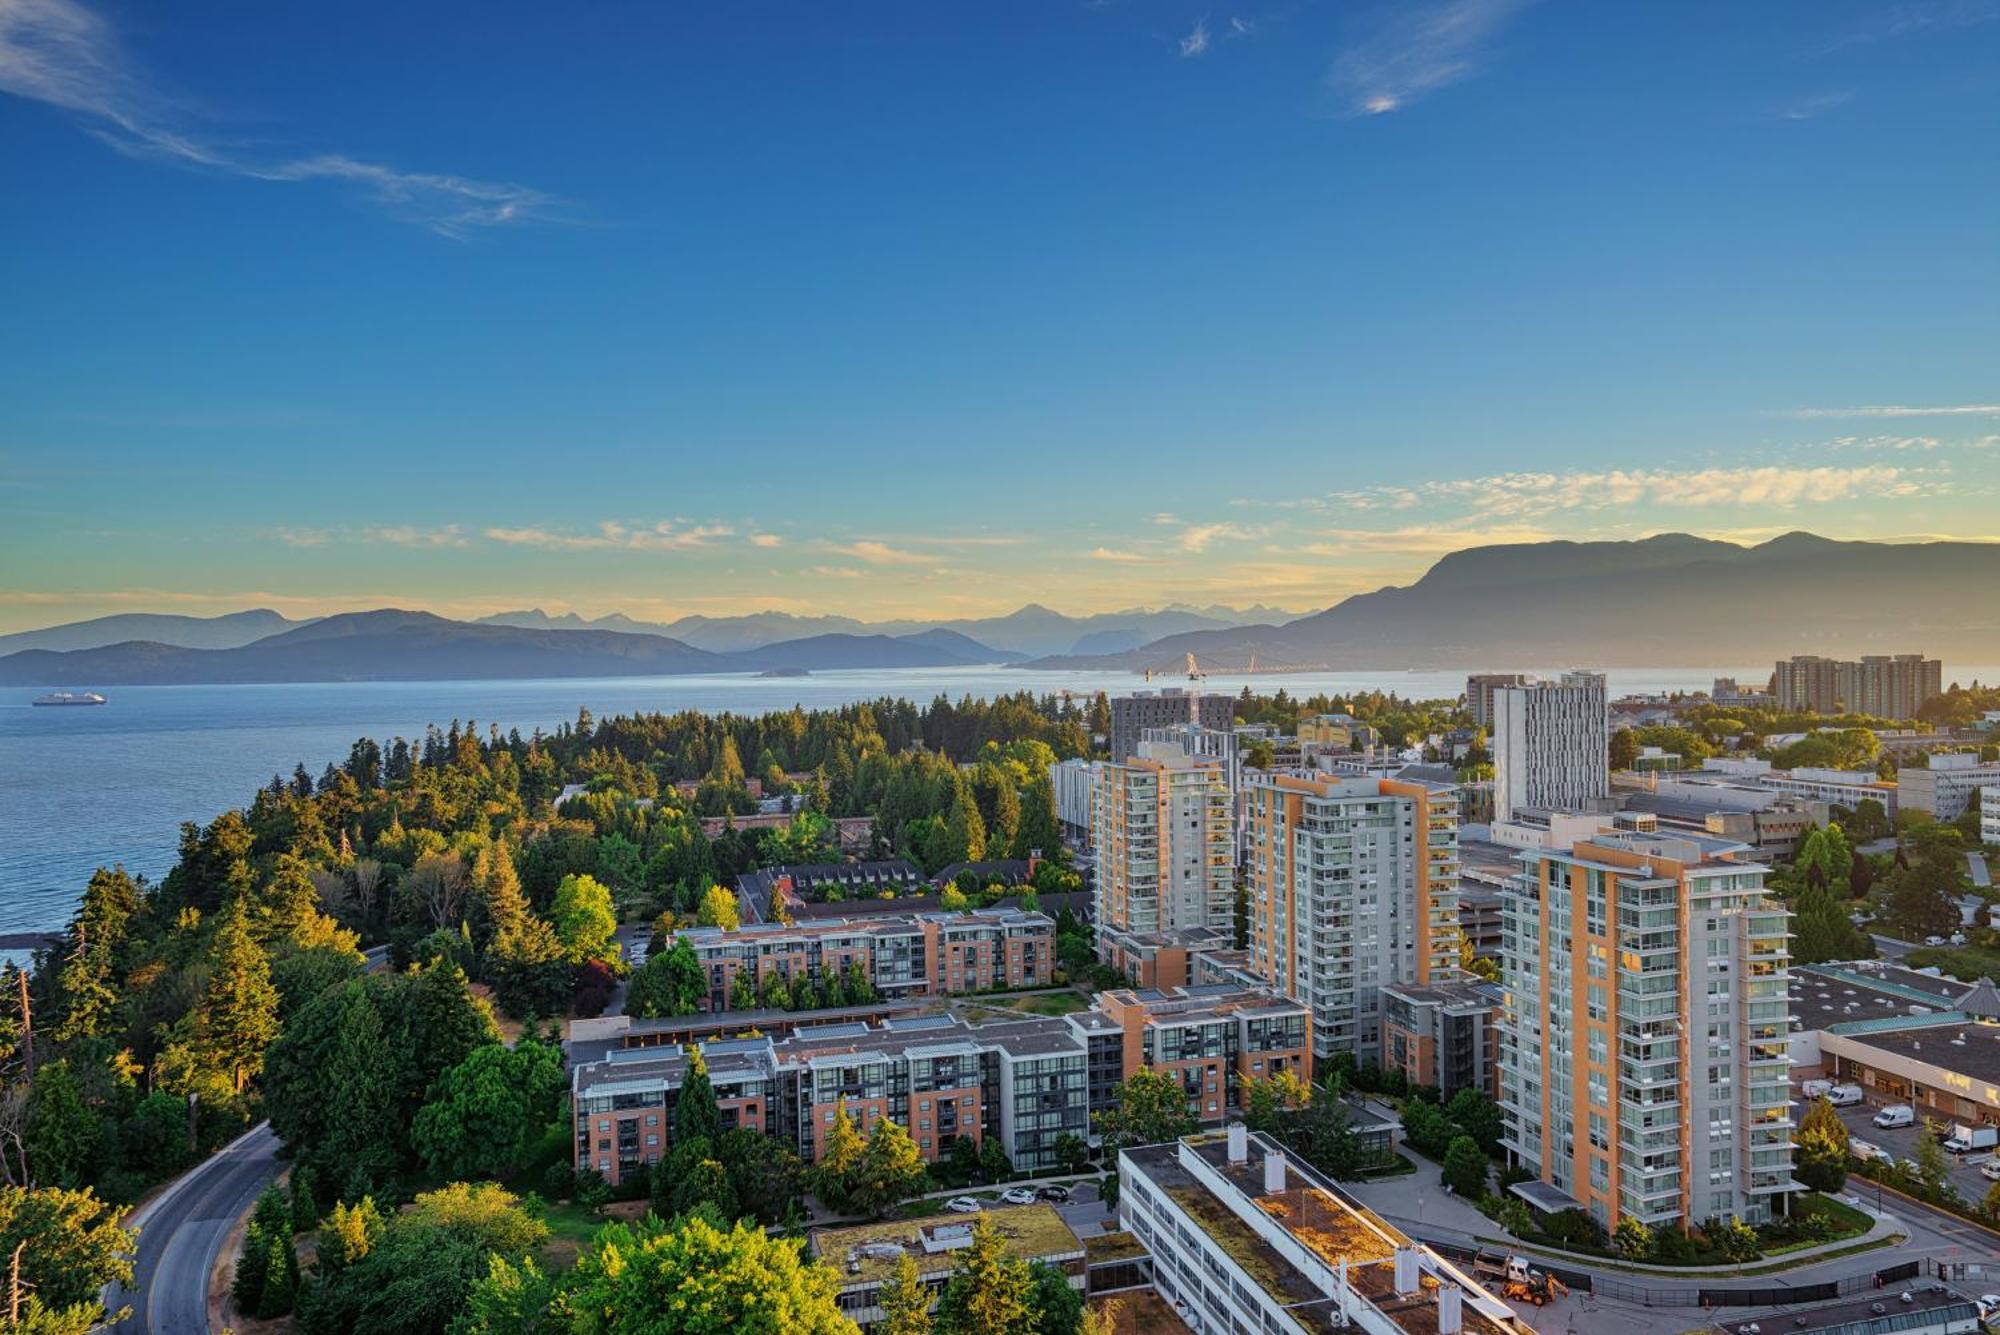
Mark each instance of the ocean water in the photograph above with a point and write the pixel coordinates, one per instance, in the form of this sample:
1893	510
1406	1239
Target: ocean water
83	788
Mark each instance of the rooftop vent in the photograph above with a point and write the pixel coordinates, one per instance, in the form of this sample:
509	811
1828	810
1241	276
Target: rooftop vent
1408	1277
1274	1173
1239	1143
1451	1310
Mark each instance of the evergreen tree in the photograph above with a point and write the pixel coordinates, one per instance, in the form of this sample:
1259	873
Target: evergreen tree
839	1161
351	1232
305	1210
281	1267
695	1111
1038	831
964	837
60	1133
239	1015
362	1120
891	1169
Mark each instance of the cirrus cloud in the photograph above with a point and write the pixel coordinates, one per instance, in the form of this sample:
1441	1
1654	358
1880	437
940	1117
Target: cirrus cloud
610	535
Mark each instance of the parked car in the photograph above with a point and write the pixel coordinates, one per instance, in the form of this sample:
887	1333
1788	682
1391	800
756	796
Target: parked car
1812	1089
963	1205
1018	1196
1933	940
1895	1115
1865	1150
1990	1170
1054	1195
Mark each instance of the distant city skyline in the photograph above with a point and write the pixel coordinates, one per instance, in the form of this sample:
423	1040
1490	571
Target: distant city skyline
929	313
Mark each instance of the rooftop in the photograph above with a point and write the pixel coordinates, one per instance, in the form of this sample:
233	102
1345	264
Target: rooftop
1826	995
1318	1217
1882	1311
1964	1047
867	1253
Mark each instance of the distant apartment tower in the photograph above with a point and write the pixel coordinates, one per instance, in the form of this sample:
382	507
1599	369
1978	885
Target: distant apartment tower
1072	781
1163	831
1479	690
1132	715
1353	887
1882	685
1643	1036
1551	745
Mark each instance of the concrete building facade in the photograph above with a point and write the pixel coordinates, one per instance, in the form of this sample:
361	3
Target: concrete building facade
1445	1035
1479	690
1551	745
1353	886
1132	715
1163	833
1643	1039
1946	784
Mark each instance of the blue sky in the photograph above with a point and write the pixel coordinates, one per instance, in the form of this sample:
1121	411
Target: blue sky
935	309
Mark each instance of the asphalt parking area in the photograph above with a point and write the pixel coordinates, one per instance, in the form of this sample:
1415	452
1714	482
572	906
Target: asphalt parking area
1901	1143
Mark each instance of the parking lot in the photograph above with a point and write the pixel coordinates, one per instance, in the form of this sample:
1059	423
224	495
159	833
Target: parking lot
1901	1143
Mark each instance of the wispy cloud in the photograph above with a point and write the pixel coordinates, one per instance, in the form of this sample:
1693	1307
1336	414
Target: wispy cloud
878	553
1896	410
1114	554
1523	494
1198	537
1918	19
766	540
1241	27
408	535
612	536
1416	540
1811	108
60	53
1417	50
1196	42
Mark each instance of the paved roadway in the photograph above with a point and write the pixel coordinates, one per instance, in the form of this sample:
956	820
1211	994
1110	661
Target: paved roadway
181	1232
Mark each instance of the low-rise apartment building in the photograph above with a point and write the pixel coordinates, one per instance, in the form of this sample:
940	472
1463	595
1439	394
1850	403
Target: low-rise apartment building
1989	815
1644	1061
1445	1035
1025	1082
917	954
1244	1239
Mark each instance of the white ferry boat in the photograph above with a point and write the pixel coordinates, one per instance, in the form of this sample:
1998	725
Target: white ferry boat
70	698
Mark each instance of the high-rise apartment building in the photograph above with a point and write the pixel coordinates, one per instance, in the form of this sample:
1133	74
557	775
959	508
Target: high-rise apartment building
1551	745
1353	886
1132	715
1163	831
1882	685
1479	689
1643	1036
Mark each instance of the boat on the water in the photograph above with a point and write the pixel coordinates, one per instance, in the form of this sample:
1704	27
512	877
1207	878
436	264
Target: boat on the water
70	698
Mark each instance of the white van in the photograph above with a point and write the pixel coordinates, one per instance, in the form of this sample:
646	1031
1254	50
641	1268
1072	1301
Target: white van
1812	1089
1843	1096
1895	1115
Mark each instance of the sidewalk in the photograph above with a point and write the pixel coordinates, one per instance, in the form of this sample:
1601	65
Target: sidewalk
1418	1203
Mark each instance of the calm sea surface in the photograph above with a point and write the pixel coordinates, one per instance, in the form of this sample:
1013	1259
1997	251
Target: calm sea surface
82	788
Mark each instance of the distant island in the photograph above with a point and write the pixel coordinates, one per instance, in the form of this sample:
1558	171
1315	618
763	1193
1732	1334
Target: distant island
785	672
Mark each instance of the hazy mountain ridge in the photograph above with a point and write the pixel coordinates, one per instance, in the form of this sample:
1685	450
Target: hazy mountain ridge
228	631
1662	601
1030	630
392	644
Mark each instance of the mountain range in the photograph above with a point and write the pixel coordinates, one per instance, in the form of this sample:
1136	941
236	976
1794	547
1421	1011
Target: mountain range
1666	601
1032	630
397	645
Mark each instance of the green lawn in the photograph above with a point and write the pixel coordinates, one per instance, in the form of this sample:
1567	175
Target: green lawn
1043	1003
570	1222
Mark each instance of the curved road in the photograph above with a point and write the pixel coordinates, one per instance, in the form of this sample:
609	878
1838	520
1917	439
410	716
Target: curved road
181	1233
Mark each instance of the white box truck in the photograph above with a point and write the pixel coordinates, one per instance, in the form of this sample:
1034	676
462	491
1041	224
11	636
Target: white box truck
1965	1139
